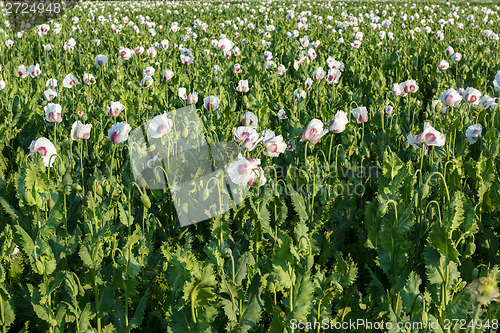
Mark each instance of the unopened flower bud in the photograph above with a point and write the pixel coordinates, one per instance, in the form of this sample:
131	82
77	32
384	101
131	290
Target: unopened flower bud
382	209
145	200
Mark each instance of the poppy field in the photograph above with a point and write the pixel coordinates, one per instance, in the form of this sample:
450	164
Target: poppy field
250	166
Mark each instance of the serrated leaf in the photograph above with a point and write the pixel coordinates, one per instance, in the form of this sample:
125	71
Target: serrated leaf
442	242
298	203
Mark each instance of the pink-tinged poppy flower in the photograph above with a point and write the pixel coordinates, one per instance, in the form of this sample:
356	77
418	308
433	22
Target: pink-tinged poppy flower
496	81
151	52
149	71
225	44
70	81
115	109
334	64
192	98
313	132
361	114
51	83
251	141
308	83
319	73
471	96
451	97
53	113
281	70
97	42
338	123
237	69
274	145
429	137
164	44
50	94
2	84
69	45
80	131
242	132
488	102
250	119
356	44
291	145
147	81
139	50
443	64
333	76
125	53
182	94
299	93
311	54
410	86
211	103
167	75
398	90
34	70
473	133
9	42
236	51
159	126
268	56
246	171
101	60
449	51
389	110
186	59
21	70
456	57
242	86
282	114
46	149
88	79
118	133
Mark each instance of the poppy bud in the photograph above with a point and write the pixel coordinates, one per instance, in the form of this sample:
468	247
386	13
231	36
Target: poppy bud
29	198
423	191
85	118
51	203
76	187
272	287
211	128
439	107
149	107
382	209
470	248
98	189
227	252
185	133
151	148
145	200
81	290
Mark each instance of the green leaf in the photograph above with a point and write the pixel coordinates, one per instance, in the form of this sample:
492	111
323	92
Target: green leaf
24	240
252	309
410	292
298	204
138	316
302	301
442	242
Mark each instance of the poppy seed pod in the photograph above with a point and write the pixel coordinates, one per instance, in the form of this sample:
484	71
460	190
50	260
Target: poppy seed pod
51	203
423	191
